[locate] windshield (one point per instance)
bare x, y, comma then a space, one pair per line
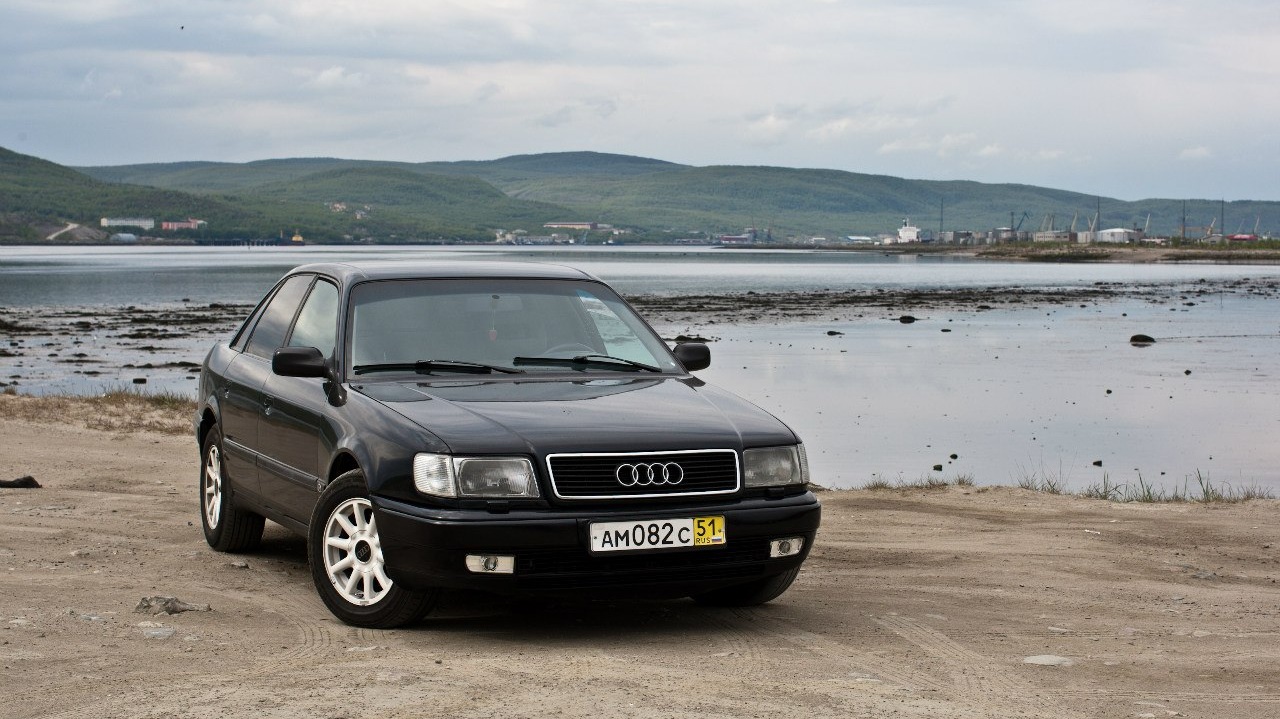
436, 326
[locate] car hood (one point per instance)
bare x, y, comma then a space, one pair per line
545, 416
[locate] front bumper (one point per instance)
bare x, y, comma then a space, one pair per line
427, 547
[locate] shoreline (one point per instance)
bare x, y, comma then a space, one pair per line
135, 345
1056, 253
1095, 253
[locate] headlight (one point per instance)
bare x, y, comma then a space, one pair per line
443, 475
775, 466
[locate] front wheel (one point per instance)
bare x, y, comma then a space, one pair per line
345, 554
227, 528
751, 593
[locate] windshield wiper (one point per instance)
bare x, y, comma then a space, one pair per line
430, 366
588, 359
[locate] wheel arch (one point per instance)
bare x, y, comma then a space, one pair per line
208, 420
344, 461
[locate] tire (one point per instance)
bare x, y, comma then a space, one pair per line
346, 561
227, 527
751, 593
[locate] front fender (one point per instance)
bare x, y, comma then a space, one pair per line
381, 442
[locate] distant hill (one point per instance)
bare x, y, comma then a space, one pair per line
436, 201
667, 199
223, 177
327, 200
230, 177
38, 192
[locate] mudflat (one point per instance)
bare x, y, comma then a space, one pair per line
954, 602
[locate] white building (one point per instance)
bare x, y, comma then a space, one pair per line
1119, 235
145, 223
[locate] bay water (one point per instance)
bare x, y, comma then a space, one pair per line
1028, 393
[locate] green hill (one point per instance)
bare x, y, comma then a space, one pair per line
35, 191
431, 201
223, 177
257, 200
659, 198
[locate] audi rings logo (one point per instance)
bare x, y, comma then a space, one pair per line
649, 474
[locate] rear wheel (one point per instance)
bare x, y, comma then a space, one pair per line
345, 553
227, 528
751, 593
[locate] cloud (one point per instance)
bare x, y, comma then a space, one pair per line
861, 124
953, 143
943, 147
915, 144
923, 91
768, 129
602, 107
562, 116
336, 77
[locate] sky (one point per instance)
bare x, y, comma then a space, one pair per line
1129, 99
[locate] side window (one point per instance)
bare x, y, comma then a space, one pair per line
317, 324
241, 337
269, 334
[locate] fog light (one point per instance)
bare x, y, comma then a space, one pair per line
491, 563
786, 547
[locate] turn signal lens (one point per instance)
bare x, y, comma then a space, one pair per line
433, 474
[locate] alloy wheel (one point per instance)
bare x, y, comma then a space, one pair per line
353, 555
213, 487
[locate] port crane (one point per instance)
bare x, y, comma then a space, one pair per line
1018, 226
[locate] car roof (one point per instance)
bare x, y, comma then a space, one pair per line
349, 272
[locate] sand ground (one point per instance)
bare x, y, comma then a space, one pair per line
913, 604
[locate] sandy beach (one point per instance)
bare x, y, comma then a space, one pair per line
957, 602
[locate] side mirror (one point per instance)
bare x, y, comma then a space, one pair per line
693, 355
308, 362
299, 362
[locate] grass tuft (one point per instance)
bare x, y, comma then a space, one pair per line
880, 484
1043, 480
1146, 492
1106, 490
117, 410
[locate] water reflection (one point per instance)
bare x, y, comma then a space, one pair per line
1024, 392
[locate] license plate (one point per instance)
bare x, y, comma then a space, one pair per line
657, 534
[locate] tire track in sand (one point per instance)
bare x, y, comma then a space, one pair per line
974, 677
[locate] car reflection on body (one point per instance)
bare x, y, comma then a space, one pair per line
509, 427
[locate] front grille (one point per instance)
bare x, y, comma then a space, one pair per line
644, 474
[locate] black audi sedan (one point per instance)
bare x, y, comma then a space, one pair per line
509, 427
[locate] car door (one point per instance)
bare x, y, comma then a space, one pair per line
242, 401
292, 432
